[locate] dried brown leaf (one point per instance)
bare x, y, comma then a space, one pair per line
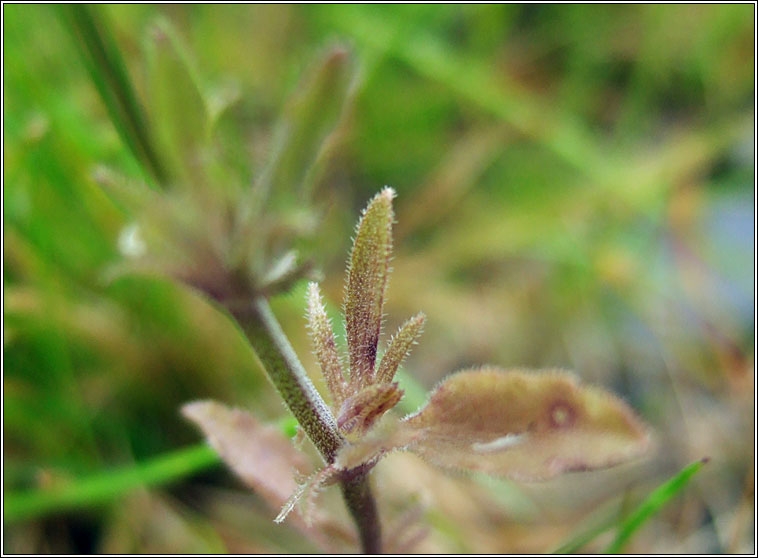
366, 284
525, 425
260, 455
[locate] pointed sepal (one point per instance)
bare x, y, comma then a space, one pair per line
399, 347
361, 411
324, 346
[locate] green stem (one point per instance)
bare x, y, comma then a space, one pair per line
288, 376
290, 379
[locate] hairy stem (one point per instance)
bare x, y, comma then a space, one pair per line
290, 379
356, 490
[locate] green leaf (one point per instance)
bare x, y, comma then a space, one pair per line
130, 195
310, 116
177, 106
106, 67
399, 347
366, 285
652, 504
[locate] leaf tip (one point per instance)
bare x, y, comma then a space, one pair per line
195, 410
337, 54
388, 193
313, 295
399, 348
419, 319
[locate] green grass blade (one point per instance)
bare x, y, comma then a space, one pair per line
557, 131
177, 106
311, 115
109, 485
652, 504
579, 541
108, 71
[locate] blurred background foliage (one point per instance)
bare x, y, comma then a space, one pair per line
575, 189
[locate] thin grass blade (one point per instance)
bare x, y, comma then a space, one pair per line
652, 504
108, 72
178, 108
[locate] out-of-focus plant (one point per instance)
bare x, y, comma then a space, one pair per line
232, 242
200, 224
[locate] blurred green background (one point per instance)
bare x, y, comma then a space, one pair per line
575, 189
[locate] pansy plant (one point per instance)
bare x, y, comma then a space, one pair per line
519, 424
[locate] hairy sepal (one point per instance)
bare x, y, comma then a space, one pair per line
361, 411
399, 348
324, 346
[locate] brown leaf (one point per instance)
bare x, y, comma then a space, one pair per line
260, 455
267, 462
525, 425
366, 283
